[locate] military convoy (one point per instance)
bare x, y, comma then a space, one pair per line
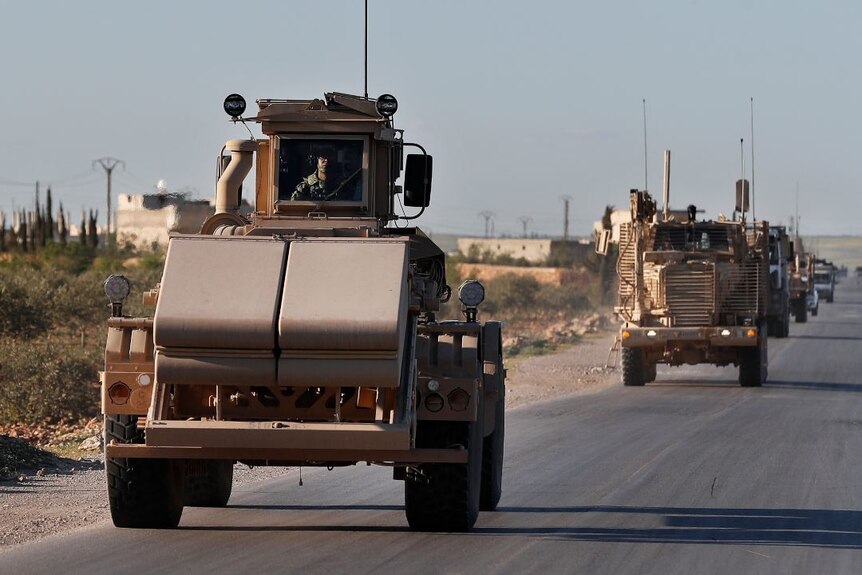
692, 291
306, 334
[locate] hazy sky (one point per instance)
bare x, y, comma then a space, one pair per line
520, 102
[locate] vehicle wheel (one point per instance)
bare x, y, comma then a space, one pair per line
142, 493
651, 372
208, 482
752, 365
814, 311
785, 325
492, 458
445, 496
632, 359
802, 314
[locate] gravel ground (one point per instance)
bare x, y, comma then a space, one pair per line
71, 495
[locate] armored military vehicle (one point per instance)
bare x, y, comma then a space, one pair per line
306, 334
692, 292
824, 280
778, 308
802, 294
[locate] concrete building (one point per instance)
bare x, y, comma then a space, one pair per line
532, 250
147, 220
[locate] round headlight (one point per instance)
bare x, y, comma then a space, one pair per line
117, 288
387, 105
471, 293
234, 105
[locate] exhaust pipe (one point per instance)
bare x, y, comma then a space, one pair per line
666, 186
227, 188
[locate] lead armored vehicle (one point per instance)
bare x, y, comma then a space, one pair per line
306, 334
691, 292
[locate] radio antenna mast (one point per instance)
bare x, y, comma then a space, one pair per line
753, 218
366, 49
646, 178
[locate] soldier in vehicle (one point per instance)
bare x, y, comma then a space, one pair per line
315, 186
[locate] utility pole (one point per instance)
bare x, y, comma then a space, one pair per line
566, 200
489, 217
108, 164
524, 221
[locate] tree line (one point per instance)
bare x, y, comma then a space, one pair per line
29, 230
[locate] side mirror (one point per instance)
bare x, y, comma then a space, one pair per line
417, 181
603, 239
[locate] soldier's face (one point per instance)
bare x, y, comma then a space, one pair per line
322, 163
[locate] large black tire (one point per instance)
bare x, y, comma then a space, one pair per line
785, 324
142, 493
752, 364
802, 313
651, 372
815, 310
492, 458
445, 496
208, 482
633, 368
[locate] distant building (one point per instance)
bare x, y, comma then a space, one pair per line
532, 250
147, 220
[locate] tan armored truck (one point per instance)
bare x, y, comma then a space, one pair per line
802, 293
306, 334
778, 307
691, 292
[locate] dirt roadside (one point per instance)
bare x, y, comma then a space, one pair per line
51, 500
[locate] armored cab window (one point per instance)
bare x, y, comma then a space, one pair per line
688, 237
322, 170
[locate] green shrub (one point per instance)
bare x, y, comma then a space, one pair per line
19, 315
43, 381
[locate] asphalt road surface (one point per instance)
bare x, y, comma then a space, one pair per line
691, 474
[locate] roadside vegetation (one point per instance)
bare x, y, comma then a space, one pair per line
539, 316
52, 336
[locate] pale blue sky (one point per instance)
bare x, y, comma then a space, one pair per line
519, 102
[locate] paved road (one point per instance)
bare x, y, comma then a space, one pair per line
692, 474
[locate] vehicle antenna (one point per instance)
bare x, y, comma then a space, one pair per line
646, 178
796, 219
753, 217
366, 49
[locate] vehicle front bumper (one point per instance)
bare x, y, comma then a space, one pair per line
715, 336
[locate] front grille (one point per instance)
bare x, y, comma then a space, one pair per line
740, 287
689, 293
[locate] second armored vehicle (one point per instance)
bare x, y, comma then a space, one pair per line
692, 292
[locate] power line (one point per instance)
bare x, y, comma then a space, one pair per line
489, 218
108, 164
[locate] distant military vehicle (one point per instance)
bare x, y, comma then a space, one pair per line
802, 294
778, 308
824, 280
306, 334
692, 292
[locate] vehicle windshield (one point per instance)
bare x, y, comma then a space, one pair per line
320, 170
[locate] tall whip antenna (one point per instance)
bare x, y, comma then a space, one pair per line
646, 178
753, 218
366, 49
